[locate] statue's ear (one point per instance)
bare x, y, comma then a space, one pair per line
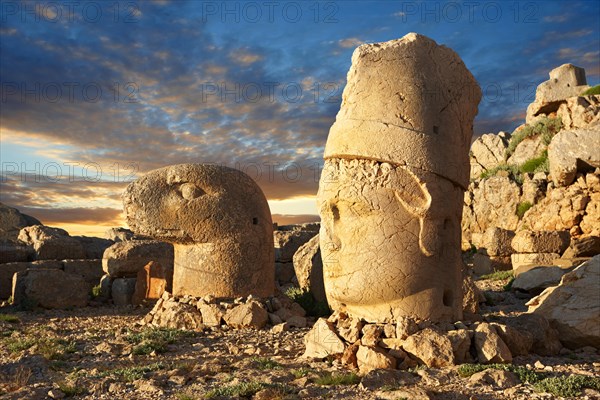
412, 193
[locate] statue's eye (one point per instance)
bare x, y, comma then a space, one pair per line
189, 191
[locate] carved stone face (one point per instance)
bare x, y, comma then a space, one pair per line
385, 253
219, 222
195, 203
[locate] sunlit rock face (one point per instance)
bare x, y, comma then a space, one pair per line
391, 192
219, 222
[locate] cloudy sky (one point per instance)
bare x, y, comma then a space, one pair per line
94, 94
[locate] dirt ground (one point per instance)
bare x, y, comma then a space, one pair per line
102, 353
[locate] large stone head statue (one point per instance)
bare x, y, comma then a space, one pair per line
391, 192
219, 222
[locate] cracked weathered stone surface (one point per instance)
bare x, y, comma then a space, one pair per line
565, 81
219, 222
391, 192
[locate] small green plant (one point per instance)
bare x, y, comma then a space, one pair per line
71, 390
591, 91
512, 171
497, 276
51, 348
524, 374
130, 374
508, 285
416, 368
305, 298
246, 389
547, 127
537, 164
13, 319
301, 372
55, 348
335, 379
567, 386
15, 345
16, 381
266, 363
154, 340
96, 290
473, 249
522, 208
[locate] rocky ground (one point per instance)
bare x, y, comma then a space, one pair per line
103, 353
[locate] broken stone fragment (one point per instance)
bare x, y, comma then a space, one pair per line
322, 340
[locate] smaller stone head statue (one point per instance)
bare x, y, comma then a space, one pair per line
219, 222
391, 191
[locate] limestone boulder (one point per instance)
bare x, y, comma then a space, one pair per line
526, 241
379, 378
90, 270
122, 291
586, 246
249, 315
126, 258
534, 188
12, 221
537, 279
565, 81
15, 252
322, 340
562, 209
212, 315
489, 346
219, 222
544, 336
431, 347
484, 264
590, 223
487, 151
579, 111
52, 243
7, 270
94, 247
288, 239
169, 313
490, 203
497, 241
498, 379
461, 340
573, 151
119, 235
308, 267
519, 342
573, 306
49, 288
524, 261
528, 148
373, 358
